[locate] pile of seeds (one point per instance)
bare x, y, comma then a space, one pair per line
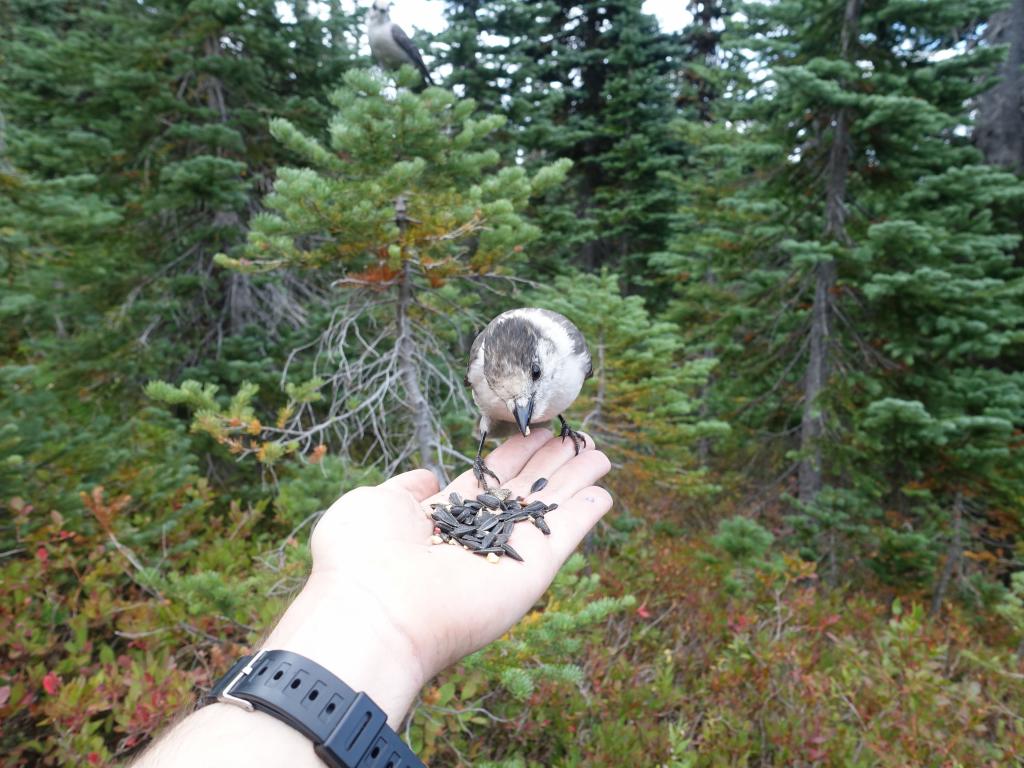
484, 525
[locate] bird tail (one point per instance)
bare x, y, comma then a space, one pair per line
427, 81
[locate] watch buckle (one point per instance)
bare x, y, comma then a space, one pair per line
225, 695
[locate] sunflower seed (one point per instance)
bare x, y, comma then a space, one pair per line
442, 515
488, 500
485, 524
490, 550
512, 553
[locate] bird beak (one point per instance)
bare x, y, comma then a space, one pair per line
522, 413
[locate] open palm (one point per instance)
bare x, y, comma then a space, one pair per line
445, 601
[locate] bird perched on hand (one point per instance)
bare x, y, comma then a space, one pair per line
390, 46
526, 367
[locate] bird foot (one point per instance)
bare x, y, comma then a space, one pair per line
481, 470
577, 437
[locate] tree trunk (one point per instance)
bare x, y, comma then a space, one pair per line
425, 436
953, 555
812, 425
999, 130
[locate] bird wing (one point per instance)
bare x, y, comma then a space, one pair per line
409, 48
474, 350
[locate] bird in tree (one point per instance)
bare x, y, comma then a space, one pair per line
525, 368
390, 46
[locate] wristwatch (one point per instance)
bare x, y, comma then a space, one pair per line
348, 729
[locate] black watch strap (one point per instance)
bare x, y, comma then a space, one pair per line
348, 729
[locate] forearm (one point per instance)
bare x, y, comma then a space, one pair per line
344, 633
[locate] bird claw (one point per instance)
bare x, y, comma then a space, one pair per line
577, 437
480, 470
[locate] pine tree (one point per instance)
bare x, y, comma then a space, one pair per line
704, 63
136, 145
591, 82
701, 223
167, 115
873, 278
403, 213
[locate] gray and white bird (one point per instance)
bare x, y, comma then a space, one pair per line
390, 46
526, 367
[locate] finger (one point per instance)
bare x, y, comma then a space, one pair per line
421, 483
574, 478
546, 462
506, 461
585, 470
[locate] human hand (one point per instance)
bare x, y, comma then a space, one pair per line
386, 610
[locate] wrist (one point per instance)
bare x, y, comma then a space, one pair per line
345, 629
227, 736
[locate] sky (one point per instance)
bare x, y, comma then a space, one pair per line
428, 15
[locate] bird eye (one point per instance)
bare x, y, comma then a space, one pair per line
535, 371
